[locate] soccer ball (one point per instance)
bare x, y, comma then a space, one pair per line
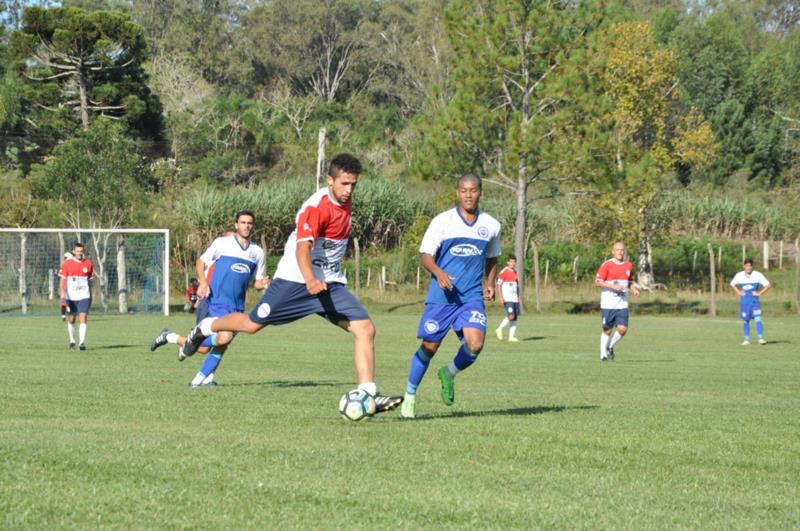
357, 405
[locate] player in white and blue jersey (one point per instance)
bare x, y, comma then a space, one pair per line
226, 268
750, 285
459, 247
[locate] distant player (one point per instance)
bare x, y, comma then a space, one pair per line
750, 285
459, 247
615, 279
309, 279
226, 267
509, 299
76, 274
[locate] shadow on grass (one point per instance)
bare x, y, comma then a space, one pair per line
644, 308
406, 305
534, 338
647, 361
287, 383
118, 346
512, 412
778, 342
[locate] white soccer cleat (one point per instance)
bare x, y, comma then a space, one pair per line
745, 343
762, 341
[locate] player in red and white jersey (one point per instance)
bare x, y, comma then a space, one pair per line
75, 273
309, 279
615, 278
509, 298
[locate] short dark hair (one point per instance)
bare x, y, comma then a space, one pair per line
470, 177
192, 280
344, 162
245, 213
77, 244
512, 256
748, 261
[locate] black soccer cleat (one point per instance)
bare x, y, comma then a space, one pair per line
193, 340
610, 354
386, 403
82, 346
72, 345
160, 340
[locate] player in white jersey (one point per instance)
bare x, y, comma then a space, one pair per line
309, 279
749, 285
226, 269
459, 247
509, 299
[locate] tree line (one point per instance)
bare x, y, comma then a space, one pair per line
115, 112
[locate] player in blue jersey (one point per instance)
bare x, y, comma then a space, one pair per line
226, 269
459, 247
749, 285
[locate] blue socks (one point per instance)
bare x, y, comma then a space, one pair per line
746, 329
211, 363
759, 327
419, 365
464, 358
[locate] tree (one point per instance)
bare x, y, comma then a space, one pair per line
514, 114
98, 178
94, 58
653, 135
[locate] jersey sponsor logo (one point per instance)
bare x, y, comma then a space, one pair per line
431, 326
85, 269
240, 268
483, 232
477, 317
747, 287
465, 250
331, 244
263, 310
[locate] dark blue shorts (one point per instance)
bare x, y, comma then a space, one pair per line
285, 301
749, 311
437, 319
512, 308
81, 306
211, 309
614, 318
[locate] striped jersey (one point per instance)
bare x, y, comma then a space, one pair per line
461, 249
326, 224
234, 266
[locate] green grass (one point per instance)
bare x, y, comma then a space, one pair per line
685, 430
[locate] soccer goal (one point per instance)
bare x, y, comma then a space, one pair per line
131, 269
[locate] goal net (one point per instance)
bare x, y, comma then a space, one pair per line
131, 269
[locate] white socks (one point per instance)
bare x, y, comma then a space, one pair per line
614, 339
604, 345
503, 324
71, 330
82, 332
369, 387
512, 332
172, 337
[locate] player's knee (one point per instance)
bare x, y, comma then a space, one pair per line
622, 329
223, 338
363, 329
429, 348
474, 345
512, 317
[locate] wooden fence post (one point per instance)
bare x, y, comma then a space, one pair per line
575, 269
418, 276
712, 306
546, 272
766, 255
382, 283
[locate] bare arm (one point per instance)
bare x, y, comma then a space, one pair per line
200, 269
262, 283
303, 255
490, 268
763, 290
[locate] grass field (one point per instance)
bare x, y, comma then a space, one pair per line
685, 430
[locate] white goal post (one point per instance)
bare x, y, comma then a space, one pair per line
132, 264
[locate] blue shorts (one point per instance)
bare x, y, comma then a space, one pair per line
81, 306
285, 301
211, 309
512, 308
751, 311
614, 318
437, 319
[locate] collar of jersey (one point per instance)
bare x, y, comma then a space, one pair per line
236, 239
477, 214
333, 199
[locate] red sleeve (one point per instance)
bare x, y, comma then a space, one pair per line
90, 274
310, 223
602, 273
62, 272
